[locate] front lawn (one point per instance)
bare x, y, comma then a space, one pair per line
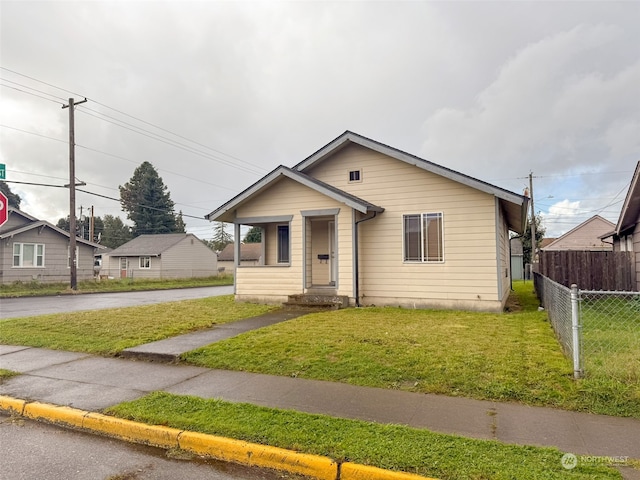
505, 357
393, 447
107, 332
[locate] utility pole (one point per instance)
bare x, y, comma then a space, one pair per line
533, 222
73, 267
91, 226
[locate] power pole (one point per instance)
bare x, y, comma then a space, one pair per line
533, 222
73, 267
91, 226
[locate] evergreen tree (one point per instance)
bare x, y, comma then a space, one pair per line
181, 227
115, 232
14, 198
221, 238
147, 202
254, 235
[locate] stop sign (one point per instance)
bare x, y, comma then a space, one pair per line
4, 207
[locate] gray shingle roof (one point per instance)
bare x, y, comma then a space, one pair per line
149, 245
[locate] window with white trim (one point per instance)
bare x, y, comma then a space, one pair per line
145, 262
283, 244
28, 255
423, 235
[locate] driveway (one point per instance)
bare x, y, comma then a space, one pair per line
29, 306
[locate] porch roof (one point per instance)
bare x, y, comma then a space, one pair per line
225, 213
630, 213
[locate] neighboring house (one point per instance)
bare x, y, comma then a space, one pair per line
378, 226
626, 236
250, 254
584, 237
517, 259
545, 242
36, 250
171, 255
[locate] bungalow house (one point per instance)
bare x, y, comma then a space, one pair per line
374, 225
250, 254
626, 236
171, 255
584, 237
36, 250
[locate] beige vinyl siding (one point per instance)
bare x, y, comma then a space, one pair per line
466, 278
56, 260
272, 283
585, 237
504, 259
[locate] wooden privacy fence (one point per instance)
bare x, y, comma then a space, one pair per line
613, 271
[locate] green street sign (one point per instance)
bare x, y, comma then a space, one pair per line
3, 171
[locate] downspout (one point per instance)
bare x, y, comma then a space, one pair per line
356, 261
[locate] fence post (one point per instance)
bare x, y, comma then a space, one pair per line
575, 332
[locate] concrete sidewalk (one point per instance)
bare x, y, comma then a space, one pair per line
93, 383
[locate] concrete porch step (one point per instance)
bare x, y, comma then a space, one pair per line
316, 301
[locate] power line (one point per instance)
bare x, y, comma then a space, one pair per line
30, 93
33, 133
251, 167
159, 138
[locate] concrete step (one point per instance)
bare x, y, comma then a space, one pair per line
317, 301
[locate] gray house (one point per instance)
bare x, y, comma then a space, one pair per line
172, 255
36, 250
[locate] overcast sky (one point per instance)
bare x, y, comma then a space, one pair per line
230, 90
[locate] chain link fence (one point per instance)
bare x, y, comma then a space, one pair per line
599, 330
610, 334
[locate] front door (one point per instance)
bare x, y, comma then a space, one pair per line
322, 268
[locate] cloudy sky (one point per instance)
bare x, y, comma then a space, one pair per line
217, 94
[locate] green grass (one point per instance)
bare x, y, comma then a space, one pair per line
393, 447
107, 332
29, 289
504, 357
611, 337
7, 374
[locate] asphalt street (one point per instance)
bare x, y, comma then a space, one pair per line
29, 306
30, 450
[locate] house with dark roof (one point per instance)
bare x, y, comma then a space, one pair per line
374, 225
250, 254
36, 250
171, 255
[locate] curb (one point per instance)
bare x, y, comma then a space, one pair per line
220, 448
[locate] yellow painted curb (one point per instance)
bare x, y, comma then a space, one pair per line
156, 435
221, 448
11, 405
54, 414
354, 471
253, 454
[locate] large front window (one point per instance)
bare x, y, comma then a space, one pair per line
283, 244
28, 255
423, 237
145, 262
